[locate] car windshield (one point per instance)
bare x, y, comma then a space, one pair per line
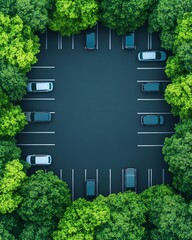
33, 86
158, 55
32, 160
32, 116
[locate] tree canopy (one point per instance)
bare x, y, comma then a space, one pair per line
73, 16
18, 45
177, 153
124, 15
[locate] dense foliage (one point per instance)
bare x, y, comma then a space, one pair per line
73, 16
124, 15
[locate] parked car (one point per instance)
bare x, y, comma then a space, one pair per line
152, 120
152, 56
90, 190
131, 179
129, 41
153, 87
39, 87
91, 39
38, 116
39, 159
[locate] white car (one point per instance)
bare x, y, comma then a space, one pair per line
39, 87
39, 159
152, 56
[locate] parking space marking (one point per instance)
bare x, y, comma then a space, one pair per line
97, 45
35, 144
122, 43
61, 174
60, 40
155, 132
139, 145
45, 170
153, 81
43, 67
150, 68
150, 177
46, 42
165, 113
72, 184
163, 176
85, 175
122, 180
109, 181
41, 80
149, 40
97, 182
73, 41
110, 39
38, 132
39, 99
150, 99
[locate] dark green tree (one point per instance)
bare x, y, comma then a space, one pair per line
127, 216
12, 81
174, 68
45, 197
177, 153
73, 16
124, 15
7, 7
4, 234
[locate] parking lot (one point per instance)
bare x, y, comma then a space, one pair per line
96, 107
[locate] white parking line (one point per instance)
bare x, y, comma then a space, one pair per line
150, 178
52, 112
73, 42
110, 39
122, 42
150, 145
165, 113
155, 132
97, 182
59, 44
85, 175
148, 40
150, 68
150, 99
39, 99
35, 144
43, 67
38, 132
73, 184
153, 81
163, 176
41, 80
97, 45
122, 180
61, 174
109, 181
46, 42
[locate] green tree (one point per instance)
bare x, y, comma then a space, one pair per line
177, 153
73, 16
124, 15
179, 96
183, 41
4, 234
168, 214
7, 7
12, 179
12, 81
12, 121
18, 45
45, 197
127, 215
80, 220
174, 67
34, 13
164, 18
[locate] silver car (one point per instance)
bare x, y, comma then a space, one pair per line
39, 87
152, 56
39, 159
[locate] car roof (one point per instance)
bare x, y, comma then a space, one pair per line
42, 86
151, 119
90, 39
41, 159
149, 55
151, 86
42, 115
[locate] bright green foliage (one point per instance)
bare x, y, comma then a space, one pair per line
168, 214
177, 153
45, 197
33, 231
18, 45
11, 181
179, 96
7, 6
12, 121
165, 16
12, 81
81, 219
124, 15
34, 13
183, 41
127, 215
174, 68
73, 16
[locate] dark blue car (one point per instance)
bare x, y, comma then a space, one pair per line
152, 120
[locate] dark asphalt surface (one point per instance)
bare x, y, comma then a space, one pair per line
97, 112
